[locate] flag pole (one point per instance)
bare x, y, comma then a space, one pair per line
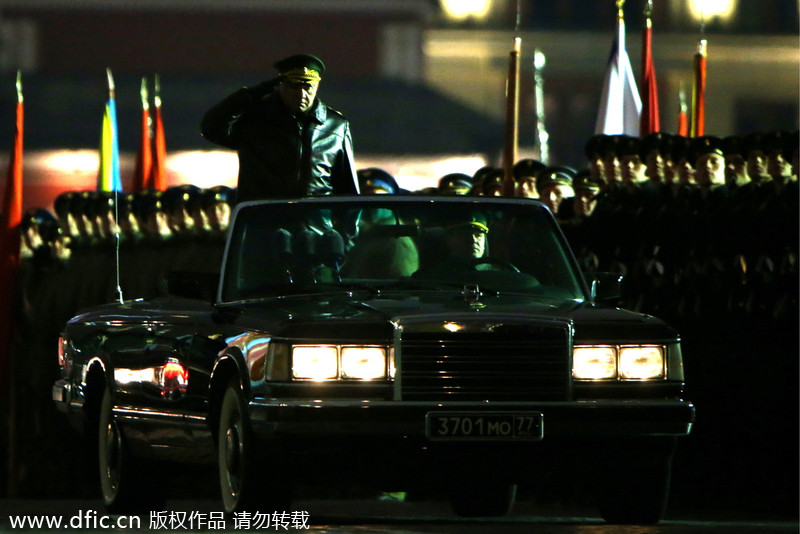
699, 90
512, 111
158, 179
541, 131
144, 160
114, 172
650, 121
698, 117
683, 119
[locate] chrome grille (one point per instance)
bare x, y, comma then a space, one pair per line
505, 363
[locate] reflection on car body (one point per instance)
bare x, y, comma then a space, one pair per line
350, 336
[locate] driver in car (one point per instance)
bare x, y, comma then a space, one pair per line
466, 242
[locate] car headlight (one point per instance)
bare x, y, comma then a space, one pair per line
363, 363
339, 362
594, 363
641, 362
626, 362
315, 362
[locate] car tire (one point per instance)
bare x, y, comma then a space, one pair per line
245, 483
482, 498
129, 485
636, 490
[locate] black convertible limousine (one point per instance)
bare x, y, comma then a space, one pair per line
408, 341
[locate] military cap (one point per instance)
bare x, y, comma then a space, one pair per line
527, 167
492, 181
680, 148
36, 217
707, 144
481, 173
475, 220
592, 148
457, 183
216, 195
751, 142
49, 230
608, 144
61, 204
179, 196
655, 141
375, 178
81, 203
148, 202
584, 182
301, 68
628, 145
775, 141
732, 144
102, 203
558, 175
125, 204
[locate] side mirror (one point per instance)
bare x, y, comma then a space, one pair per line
193, 285
606, 287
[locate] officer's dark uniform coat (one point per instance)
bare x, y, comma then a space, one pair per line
280, 155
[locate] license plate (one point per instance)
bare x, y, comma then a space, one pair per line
484, 426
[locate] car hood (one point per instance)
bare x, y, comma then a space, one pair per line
361, 314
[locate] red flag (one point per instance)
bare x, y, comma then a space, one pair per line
158, 176
699, 91
144, 159
649, 122
9, 245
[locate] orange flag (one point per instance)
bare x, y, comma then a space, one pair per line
9, 245
158, 176
144, 160
649, 121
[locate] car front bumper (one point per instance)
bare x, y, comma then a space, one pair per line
286, 419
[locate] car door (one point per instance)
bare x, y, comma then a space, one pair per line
178, 354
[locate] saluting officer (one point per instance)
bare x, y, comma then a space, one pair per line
289, 143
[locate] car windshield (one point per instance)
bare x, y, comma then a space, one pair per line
396, 243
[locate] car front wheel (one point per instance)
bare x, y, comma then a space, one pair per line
123, 478
245, 482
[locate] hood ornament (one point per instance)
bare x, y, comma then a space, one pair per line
471, 294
